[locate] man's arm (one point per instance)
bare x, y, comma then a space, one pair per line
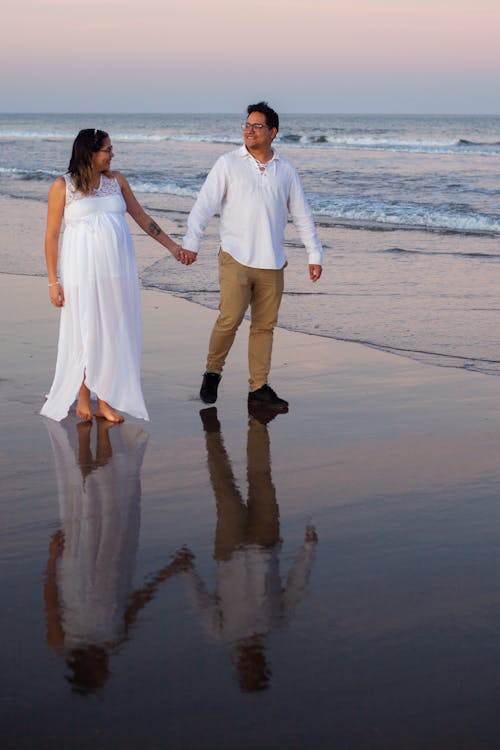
208, 202
298, 576
303, 220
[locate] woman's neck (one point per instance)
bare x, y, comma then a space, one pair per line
96, 179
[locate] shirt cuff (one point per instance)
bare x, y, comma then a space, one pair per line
191, 242
315, 258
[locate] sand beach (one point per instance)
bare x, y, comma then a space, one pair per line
386, 616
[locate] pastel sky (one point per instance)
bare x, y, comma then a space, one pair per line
396, 56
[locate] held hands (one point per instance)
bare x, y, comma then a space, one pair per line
183, 560
314, 272
187, 257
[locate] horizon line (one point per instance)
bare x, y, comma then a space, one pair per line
185, 113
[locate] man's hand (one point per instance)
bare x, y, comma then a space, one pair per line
187, 256
314, 272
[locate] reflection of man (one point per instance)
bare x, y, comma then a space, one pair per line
89, 604
249, 599
254, 189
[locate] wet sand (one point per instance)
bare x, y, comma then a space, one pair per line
328, 579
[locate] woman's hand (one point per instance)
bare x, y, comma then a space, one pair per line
56, 294
55, 210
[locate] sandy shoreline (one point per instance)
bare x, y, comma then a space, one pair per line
394, 463
367, 407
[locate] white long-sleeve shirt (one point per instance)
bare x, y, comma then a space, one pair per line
254, 208
250, 598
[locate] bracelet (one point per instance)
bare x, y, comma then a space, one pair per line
55, 283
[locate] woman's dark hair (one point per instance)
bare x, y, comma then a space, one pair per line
272, 119
86, 143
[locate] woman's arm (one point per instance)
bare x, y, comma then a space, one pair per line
55, 211
145, 221
53, 619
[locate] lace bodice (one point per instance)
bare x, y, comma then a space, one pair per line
107, 186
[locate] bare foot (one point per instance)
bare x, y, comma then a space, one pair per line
104, 411
83, 408
85, 458
103, 450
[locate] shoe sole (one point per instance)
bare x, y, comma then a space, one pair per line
208, 399
256, 403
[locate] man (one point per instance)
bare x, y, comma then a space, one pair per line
254, 188
250, 599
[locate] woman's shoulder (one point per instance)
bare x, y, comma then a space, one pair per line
122, 182
58, 187
119, 177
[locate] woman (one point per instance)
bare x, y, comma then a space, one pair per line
100, 330
91, 607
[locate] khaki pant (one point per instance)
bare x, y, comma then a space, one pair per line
240, 287
241, 524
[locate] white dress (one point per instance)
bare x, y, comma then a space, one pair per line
100, 517
100, 333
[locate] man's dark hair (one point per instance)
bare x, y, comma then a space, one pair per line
272, 119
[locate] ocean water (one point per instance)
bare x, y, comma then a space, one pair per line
408, 210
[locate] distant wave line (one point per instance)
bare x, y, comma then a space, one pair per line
301, 140
407, 217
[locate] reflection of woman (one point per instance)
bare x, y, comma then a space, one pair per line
100, 332
250, 598
89, 604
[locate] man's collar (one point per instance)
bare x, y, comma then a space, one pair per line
244, 152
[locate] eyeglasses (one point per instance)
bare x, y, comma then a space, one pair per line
252, 125
108, 150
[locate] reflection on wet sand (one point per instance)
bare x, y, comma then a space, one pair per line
89, 603
249, 598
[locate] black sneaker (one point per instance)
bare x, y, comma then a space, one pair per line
208, 390
262, 412
210, 419
266, 395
